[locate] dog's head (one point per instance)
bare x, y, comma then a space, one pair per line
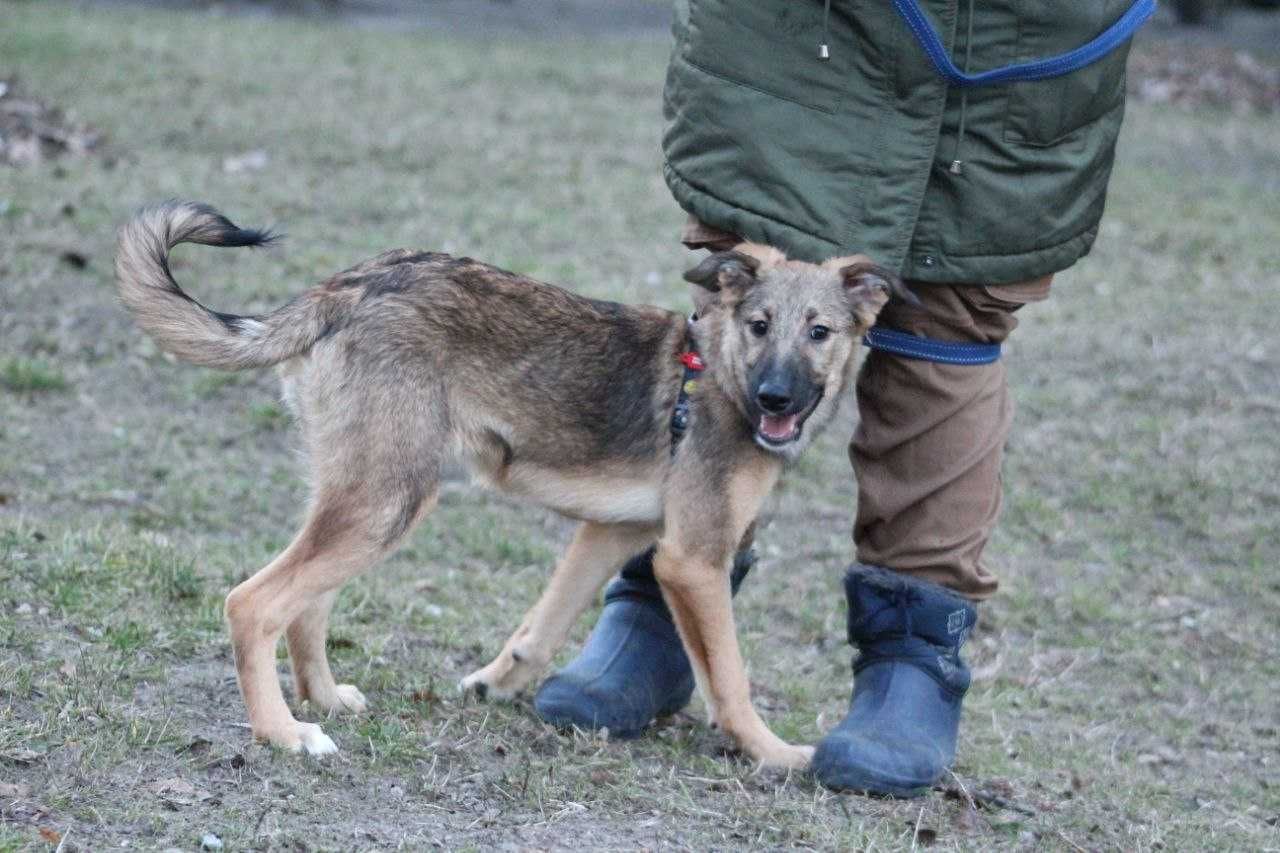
782, 337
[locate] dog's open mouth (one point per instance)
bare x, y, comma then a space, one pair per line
779, 430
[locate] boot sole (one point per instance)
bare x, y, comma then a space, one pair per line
563, 719
861, 784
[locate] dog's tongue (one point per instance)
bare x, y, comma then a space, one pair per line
778, 427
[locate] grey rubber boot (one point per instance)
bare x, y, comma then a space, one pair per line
633, 667
899, 736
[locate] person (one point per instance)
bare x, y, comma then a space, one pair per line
829, 132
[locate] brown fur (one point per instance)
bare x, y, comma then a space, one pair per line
407, 359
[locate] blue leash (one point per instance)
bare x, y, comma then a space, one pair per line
927, 349
1054, 66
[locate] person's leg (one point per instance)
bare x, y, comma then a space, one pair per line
930, 439
927, 456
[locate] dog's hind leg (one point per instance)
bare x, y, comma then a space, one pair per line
312, 678
596, 552
347, 531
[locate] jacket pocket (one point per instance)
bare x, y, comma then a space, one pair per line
1044, 113
770, 47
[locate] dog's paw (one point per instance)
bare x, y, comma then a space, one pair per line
505, 676
350, 700
478, 684
313, 741
338, 699
786, 756
294, 736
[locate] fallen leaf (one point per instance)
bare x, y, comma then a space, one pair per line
50, 835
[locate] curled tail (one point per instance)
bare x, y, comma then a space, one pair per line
184, 327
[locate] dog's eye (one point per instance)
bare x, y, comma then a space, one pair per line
759, 328
819, 333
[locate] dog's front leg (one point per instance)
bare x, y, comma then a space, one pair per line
698, 595
596, 552
692, 567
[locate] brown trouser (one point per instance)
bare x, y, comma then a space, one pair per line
930, 436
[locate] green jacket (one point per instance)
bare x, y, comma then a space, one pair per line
855, 153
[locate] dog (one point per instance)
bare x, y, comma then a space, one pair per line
408, 360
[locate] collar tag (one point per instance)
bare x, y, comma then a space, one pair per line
692, 361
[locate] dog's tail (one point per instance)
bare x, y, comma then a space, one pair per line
184, 327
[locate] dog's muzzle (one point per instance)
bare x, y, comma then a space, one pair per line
779, 421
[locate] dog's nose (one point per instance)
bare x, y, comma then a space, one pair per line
773, 398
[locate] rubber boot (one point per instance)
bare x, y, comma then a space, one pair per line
899, 736
633, 667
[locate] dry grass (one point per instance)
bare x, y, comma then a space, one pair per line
1126, 674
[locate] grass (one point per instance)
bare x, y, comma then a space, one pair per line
30, 375
1125, 674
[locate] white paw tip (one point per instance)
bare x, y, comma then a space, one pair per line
315, 741
482, 690
351, 698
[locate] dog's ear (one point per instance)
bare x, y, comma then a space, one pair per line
731, 270
868, 287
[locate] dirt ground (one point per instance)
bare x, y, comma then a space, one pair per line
1124, 677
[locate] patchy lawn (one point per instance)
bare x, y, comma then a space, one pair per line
1125, 693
